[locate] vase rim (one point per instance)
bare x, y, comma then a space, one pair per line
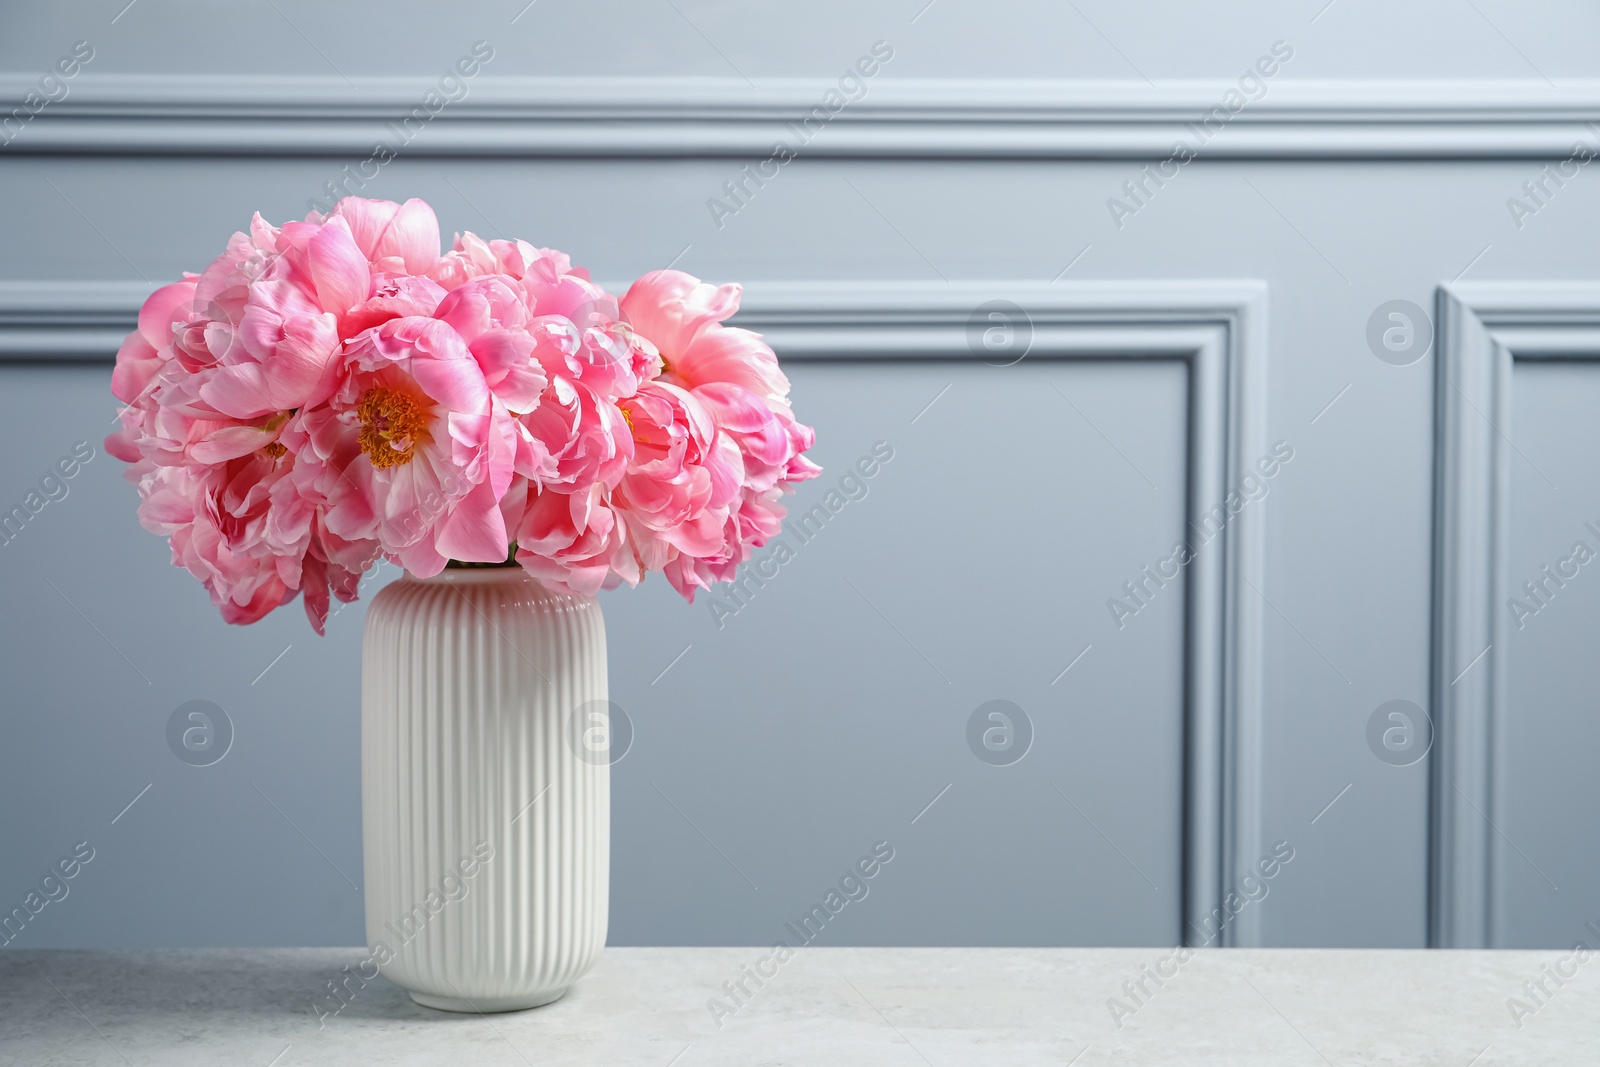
475, 576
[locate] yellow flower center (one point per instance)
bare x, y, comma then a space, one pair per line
276, 449
391, 425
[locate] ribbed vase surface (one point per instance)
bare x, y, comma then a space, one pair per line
486, 817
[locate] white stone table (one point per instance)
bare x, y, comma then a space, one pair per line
832, 1006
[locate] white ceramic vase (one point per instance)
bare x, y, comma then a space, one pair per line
487, 830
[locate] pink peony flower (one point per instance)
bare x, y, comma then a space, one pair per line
682, 317
219, 518
684, 478
575, 541
410, 450
303, 301
334, 390
394, 238
490, 314
585, 437
770, 442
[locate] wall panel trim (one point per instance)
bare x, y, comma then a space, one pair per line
1484, 329
689, 117
57, 321
1219, 329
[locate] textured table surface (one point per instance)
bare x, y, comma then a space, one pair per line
936, 1007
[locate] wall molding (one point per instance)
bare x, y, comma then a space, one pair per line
639, 117
1484, 329
58, 321
1217, 328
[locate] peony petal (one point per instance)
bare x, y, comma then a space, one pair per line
729, 354
228, 442
239, 391
123, 445
137, 365
475, 531
272, 594
338, 268
420, 560
314, 587
445, 369
506, 357
367, 219
302, 370
413, 236
162, 308
735, 407
465, 310
671, 307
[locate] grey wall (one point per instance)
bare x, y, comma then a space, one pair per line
1229, 715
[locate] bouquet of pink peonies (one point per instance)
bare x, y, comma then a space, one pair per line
334, 390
